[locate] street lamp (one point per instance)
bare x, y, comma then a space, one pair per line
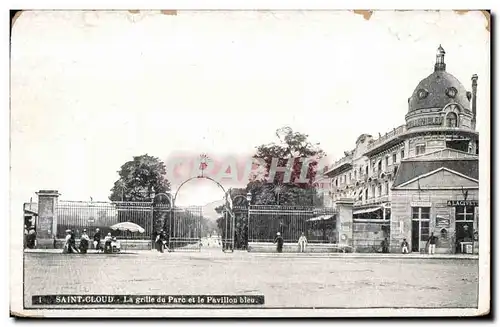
249, 201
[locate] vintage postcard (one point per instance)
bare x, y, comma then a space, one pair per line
250, 163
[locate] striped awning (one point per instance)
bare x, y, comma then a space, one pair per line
357, 212
324, 217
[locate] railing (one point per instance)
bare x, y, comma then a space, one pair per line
388, 136
291, 221
340, 162
379, 199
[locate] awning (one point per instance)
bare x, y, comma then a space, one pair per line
324, 217
357, 212
28, 211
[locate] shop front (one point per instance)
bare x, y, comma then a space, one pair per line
439, 200
466, 225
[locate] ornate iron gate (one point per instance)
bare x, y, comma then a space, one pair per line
228, 229
185, 228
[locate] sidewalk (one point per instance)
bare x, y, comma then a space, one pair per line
371, 255
219, 253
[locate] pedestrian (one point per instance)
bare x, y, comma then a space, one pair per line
279, 242
164, 240
97, 239
302, 243
25, 240
159, 241
84, 242
107, 243
432, 243
67, 246
72, 242
31, 238
404, 246
385, 245
115, 245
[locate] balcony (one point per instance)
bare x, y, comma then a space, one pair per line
387, 137
372, 201
339, 164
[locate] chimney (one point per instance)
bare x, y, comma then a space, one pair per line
473, 100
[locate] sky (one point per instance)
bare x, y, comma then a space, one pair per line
90, 90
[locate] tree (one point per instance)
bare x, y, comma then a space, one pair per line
140, 179
293, 146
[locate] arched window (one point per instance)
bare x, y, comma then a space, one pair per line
451, 120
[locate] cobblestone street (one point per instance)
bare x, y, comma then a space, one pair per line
290, 281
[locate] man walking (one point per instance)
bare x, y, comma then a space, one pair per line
432, 243
385, 245
279, 242
302, 243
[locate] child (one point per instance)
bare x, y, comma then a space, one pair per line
404, 246
115, 245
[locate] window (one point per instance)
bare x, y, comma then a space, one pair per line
386, 187
464, 213
402, 153
380, 190
366, 194
336, 182
355, 171
366, 170
420, 149
380, 165
373, 191
451, 119
394, 158
349, 177
386, 161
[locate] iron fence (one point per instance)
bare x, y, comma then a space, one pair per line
264, 221
78, 215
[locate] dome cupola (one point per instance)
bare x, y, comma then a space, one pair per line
439, 89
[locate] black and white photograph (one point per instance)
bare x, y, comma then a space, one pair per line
250, 163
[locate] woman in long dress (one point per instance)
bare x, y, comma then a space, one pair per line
72, 242
67, 245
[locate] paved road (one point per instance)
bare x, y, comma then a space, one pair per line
290, 281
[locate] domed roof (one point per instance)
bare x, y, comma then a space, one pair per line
438, 89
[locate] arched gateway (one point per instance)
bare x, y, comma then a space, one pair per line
184, 224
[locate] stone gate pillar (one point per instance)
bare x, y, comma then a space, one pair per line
344, 224
47, 216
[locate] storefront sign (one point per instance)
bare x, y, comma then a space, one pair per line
420, 204
442, 222
469, 203
425, 121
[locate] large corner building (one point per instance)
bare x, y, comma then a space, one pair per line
420, 177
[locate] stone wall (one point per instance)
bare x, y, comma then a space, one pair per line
367, 236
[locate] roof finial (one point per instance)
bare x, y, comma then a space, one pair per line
440, 65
